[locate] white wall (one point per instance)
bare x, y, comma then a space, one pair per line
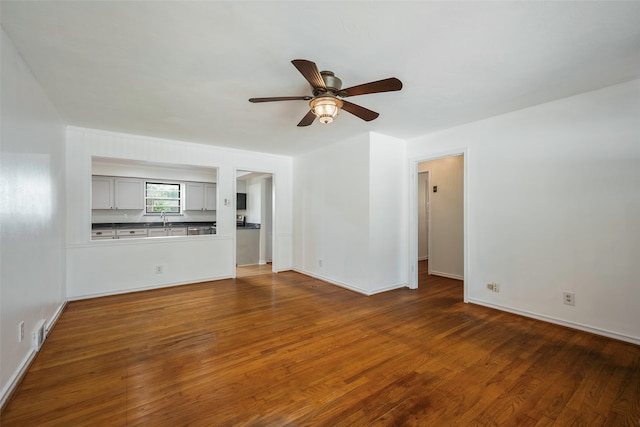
349, 213
241, 185
130, 265
331, 212
32, 216
446, 215
554, 206
388, 219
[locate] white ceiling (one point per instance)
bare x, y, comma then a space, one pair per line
185, 70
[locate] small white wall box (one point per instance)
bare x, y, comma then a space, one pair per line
39, 335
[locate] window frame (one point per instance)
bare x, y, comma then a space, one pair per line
180, 198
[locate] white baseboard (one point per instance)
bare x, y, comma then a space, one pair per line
572, 325
16, 377
333, 282
147, 288
54, 319
447, 275
423, 258
389, 288
348, 286
23, 367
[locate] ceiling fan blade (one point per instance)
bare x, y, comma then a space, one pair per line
281, 98
364, 113
387, 85
308, 119
310, 72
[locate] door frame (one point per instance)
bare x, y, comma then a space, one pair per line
274, 265
426, 195
413, 214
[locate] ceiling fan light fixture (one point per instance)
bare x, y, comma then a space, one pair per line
326, 108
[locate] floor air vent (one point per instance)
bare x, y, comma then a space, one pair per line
39, 335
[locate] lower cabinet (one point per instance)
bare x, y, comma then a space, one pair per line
179, 231
131, 233
103, 234
157, 232
169, 231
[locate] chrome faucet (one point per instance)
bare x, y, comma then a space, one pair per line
164, 218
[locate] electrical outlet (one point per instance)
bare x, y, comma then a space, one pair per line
319, 263
159, 269
569, 298
21, 332
493, 287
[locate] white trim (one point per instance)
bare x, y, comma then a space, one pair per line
17, 377
548, 319
412, 229
24, 366
148, 288
348, 286
447, 275
388, 288
333, 282
423, 258
428, 203
147, 240
54, 318
412, 238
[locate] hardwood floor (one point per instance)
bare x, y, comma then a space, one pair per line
286, 349
253, 270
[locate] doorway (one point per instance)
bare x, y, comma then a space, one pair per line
438, 210
254, 220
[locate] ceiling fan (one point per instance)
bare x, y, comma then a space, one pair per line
327, 91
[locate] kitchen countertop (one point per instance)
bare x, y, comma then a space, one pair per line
248, 226
103, 225
122, 225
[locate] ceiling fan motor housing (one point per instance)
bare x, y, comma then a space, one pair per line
332, 83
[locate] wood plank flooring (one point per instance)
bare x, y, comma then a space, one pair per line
286, 349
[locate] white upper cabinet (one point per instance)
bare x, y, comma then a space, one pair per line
117, 193
129, 193
210, 197
194, 197
102, 193
201, 196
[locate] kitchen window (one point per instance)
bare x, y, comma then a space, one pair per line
162, 197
